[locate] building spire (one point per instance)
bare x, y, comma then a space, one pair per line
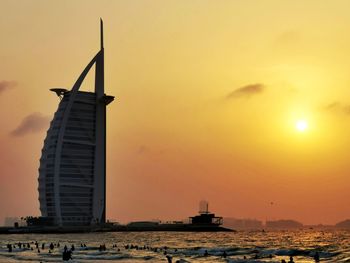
101, 29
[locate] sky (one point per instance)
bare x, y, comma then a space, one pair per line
208, 94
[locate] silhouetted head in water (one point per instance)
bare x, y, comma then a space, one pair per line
169, 258
317, 257
9, 246
67, 255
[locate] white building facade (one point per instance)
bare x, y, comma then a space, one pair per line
72, 172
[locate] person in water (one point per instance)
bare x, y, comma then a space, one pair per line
9, 246
169, 258
317, 257
67, 254
291, 260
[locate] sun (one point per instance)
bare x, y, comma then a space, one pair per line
301, 125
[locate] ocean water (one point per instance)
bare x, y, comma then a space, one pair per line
255, 246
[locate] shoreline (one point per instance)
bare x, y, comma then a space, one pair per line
119, 228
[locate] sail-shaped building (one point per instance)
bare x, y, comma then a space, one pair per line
72, 172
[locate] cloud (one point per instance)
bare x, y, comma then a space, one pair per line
337, 107
246, 91
33, 123
332, 106
5, 85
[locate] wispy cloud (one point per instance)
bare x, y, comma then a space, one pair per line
5, 85
247, 91
337, 107
33, 123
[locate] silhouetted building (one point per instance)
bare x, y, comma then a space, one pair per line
39, 221
343, 224
72, 173
10, 221
205, 217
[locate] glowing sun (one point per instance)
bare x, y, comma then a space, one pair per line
301, 125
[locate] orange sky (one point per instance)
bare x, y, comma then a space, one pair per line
207, 96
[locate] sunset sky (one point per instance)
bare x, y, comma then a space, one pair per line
208, 96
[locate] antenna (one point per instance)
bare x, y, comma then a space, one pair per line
101, 29
203, 207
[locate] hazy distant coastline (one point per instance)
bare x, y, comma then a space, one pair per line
254, 224
238, 224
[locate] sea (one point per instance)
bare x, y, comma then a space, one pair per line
181, 247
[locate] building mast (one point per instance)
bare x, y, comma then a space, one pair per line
99, 206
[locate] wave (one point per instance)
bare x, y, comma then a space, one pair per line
186, 247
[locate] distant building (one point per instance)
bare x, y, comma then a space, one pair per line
143, 224
72, 173
205, 217
242, 224
10, 221
343, 224
283, 224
